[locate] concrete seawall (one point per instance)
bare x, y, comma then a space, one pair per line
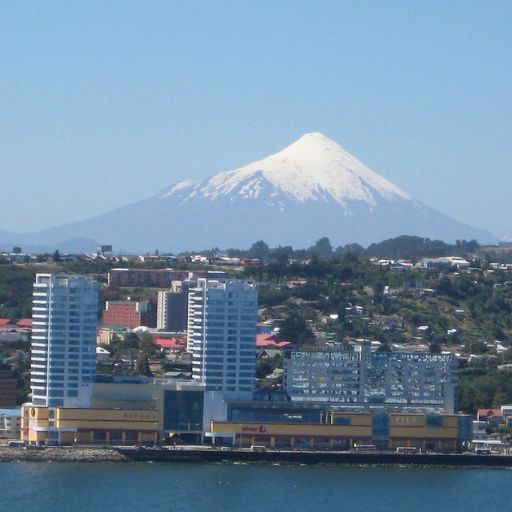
186, 454
311, 457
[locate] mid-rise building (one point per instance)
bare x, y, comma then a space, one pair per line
172, 308
63, 368
222, 318
156, 277
7, 389
360, 376
142, 277
127, 313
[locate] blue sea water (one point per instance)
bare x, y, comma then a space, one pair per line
171, 487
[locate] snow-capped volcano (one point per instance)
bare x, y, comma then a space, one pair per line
312, 168
310, 189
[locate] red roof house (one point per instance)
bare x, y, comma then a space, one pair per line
489, 415
269, 340
24, 322
172, 343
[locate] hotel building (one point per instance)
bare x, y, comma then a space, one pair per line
65, 312
222, 318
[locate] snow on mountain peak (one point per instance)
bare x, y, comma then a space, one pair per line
182, 185
312, 168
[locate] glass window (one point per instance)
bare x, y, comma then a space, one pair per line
380, 426
434, 421
183, 411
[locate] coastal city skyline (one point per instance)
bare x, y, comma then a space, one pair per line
249, 242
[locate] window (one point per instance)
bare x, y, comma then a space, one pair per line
434, 421
342, 420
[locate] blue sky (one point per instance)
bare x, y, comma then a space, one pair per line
104, 103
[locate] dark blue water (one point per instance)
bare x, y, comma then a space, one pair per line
220, 487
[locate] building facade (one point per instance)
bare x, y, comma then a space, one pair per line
122, 411
8, 395
10, 423
63, 368
222, 318
172, 309
126, 313
348, 430
360, 376
142, 277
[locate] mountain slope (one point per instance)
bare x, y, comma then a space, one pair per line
310, 189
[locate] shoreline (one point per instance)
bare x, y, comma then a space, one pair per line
61, 454
209, 455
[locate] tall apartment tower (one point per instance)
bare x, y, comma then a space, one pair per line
64, 313
222, 318
172, 308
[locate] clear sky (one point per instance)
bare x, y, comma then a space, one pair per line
106, 102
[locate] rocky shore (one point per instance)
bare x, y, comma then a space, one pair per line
60, 454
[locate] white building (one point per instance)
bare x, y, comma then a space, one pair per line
222, 318
444, 262
65, 312
10, 423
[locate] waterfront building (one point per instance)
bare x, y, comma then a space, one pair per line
357, 375
10, 423
63, 368
172, 308
347, 430
122, 411
221, 335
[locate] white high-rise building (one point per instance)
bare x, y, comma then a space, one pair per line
64, 313
222, 318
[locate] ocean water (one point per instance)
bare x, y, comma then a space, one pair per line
170, 487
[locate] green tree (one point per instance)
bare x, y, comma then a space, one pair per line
259, 250
143, 366
263, 368
295, 329
434, 348
277, 361
322, 248
146, 344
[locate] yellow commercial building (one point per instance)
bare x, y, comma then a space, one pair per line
348, 430
120, 413
89, 426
